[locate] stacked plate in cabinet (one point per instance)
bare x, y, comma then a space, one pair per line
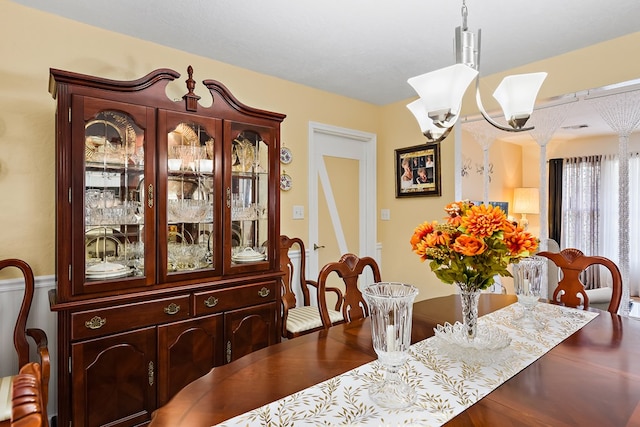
248, 255
106, 270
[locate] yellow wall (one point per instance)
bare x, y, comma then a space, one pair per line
606, 144
398, 262
39, 41
34, 41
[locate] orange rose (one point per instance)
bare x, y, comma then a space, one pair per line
469, 245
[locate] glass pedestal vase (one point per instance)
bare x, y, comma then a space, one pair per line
391, 307
469, 298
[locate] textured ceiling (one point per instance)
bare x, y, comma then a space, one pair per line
362, 49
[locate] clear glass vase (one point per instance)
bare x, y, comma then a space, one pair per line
469, 296
391, 308
527, 281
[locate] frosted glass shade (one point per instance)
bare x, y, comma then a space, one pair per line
516, 94
526, 201
441, 91
427, 127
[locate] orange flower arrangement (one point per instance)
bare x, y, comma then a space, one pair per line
475, 244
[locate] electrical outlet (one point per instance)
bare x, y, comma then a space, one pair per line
385, 214
298, 212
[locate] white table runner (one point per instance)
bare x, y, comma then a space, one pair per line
445, 383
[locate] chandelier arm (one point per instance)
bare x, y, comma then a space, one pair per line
489, 119
440, 138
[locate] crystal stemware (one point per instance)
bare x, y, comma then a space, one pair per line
391, 308
528, 275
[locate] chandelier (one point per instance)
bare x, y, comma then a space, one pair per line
441, 91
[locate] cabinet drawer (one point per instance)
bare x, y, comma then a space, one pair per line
227, 299
119, 318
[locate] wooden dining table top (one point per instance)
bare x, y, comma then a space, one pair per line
592, 378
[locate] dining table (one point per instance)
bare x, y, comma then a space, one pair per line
591, 378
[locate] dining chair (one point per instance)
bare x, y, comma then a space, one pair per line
598, 297
349, 268
300, 317
21, 344
571, 290
28, 407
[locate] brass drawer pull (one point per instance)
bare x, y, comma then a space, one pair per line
150, 196
264, 292
95, 323
211, 301
172, 309
150, 373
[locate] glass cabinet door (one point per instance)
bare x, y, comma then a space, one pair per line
248, 200
113, 149
189, 187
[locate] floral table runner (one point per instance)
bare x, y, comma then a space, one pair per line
446, 382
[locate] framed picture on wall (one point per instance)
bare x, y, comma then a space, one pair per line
418, 171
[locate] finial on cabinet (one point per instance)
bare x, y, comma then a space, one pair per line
191, 99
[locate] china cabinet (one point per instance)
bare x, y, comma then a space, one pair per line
167, 225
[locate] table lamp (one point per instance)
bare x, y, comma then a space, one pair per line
526, 201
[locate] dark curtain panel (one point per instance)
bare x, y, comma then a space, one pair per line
555, 199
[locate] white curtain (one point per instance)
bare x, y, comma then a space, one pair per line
608, 221
634, 224
580, 210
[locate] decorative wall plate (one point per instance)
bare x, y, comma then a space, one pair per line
285, 182
285, 155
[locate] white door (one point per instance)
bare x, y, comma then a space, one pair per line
342, 194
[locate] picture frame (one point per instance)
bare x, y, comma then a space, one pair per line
417, 171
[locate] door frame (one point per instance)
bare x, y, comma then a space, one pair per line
363, 143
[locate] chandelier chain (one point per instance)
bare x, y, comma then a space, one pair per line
465, 12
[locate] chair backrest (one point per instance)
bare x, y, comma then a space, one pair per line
28, 407
349, 268
570, 290
289, 299
20, 331
293, 286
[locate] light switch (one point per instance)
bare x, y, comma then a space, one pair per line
298, 212
385, 214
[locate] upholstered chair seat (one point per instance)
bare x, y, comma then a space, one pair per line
306, 318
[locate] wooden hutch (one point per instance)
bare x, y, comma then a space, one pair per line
167, 231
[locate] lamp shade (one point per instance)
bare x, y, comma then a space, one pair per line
516, 94
427, 126
441, 91
526, 200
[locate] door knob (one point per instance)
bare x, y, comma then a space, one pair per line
316, 247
